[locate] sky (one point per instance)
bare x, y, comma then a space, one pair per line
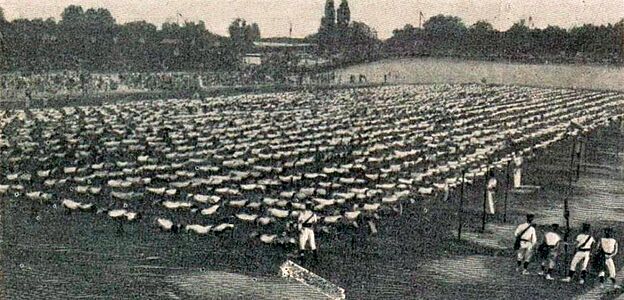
274, 16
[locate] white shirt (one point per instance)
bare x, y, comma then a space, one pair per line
552, 239
528, 236
518, 161
609, 246
492, 184
308, 216
581, 238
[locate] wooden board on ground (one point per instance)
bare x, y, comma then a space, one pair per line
292, 270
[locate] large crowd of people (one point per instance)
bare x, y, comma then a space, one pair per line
191, 80
20, 86
280, 167
36, 86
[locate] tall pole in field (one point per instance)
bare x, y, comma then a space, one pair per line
573, 150
620, 131
585, 152
485, 194
506, 191
619, 138
566, 208
461, 205
579, 157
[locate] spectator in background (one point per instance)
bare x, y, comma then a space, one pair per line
517, 172
490, 194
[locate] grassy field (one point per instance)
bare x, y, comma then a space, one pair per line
49, 253
415, 256
434, 70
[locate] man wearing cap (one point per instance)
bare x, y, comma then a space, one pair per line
526, 238
550, 251
584, 243
305, 223
608, 249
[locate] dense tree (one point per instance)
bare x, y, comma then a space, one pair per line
343, 20
551, 41
407, 32
326, 37
482, 38
330, 15
242, 34
343, 16
517, 40
407, 41
254, 32
91, 39
138, 43
600, 41
72, 15
98, 26
3, 45
3, 29
445, 34
618, 37
360, 43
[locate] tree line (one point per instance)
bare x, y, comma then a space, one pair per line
92, 40
448, 36
343, 40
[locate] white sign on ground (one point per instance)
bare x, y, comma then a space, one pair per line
292, 270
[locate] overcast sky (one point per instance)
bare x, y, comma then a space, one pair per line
274, 16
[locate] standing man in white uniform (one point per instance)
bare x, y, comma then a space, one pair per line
526, 238
306, 222
552, 241
517, 172
608, 249
491, 190
584, 242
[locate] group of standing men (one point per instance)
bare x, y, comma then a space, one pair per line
492, 183
549, 251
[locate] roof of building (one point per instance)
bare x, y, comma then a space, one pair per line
281, 45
